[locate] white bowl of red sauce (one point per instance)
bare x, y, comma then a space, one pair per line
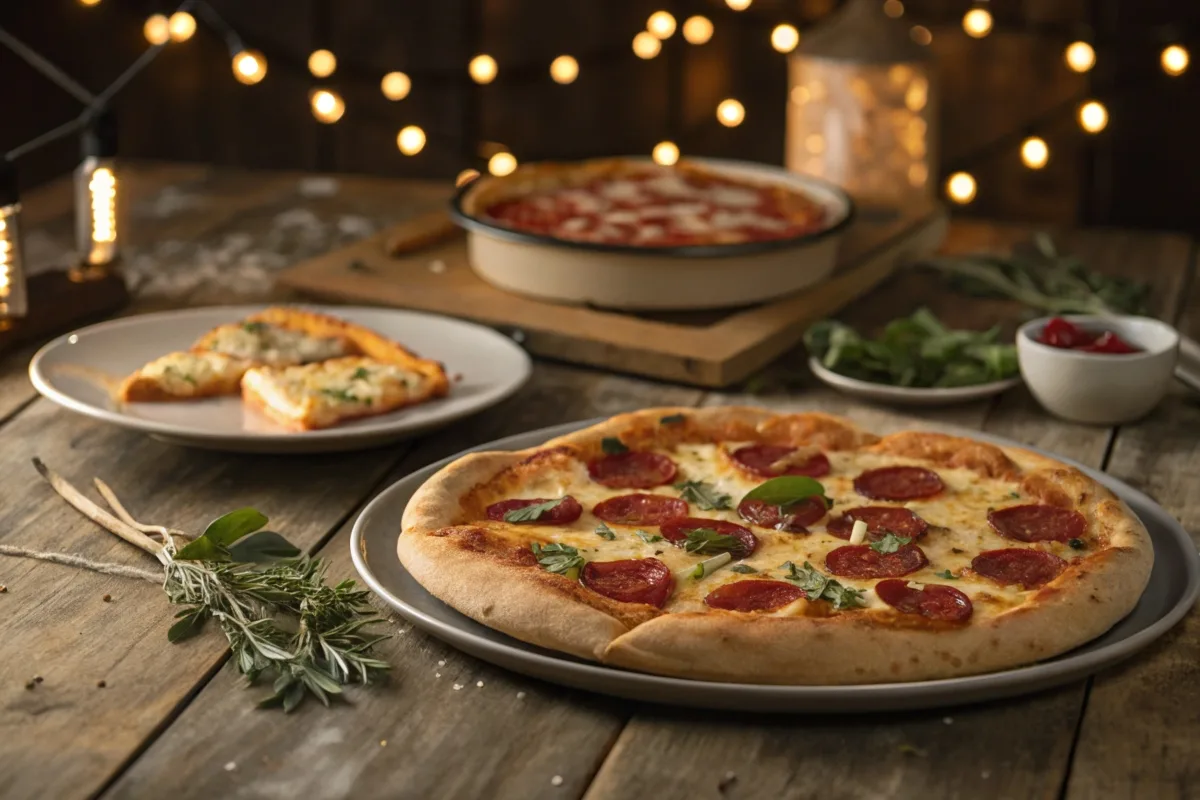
1098, 370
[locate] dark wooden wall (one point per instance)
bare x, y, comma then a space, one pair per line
187, 105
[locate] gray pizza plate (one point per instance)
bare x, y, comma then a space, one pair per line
1172, 591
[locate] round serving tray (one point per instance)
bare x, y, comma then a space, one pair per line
662, 278
1172, 591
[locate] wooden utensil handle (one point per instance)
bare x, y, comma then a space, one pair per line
420, 232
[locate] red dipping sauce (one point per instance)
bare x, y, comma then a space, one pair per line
1060, 333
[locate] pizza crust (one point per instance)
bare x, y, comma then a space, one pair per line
811, 646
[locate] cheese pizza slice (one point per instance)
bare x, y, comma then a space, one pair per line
187, 375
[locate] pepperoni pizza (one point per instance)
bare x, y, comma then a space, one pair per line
736, 544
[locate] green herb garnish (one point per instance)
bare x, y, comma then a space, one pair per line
1015, 495
947, 574
745, 569
346, 396
787, 490
648, 538
707, 540
1076, 544
821, 587
605, 532
704, 495
254, 327
672, 419
889, 543
612, 446
561, 559
361, 374
532, 513
710, 565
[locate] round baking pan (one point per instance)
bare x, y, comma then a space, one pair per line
658, 278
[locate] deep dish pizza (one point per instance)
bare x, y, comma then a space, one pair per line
628, 202
735, 544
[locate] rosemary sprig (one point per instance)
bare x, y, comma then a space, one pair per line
271, 602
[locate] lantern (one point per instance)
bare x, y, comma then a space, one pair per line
861, 108
13, 303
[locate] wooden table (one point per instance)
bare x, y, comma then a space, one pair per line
175, 721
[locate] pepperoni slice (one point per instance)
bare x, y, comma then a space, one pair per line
676, 531
1028, 569
860, 561
880, 520
796, 519
634, 580
935, 601
632, 470
760, 458
753, 595
898, 483
640, 509
566, 511
1037, 523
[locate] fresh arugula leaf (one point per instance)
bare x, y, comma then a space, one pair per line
787, 490
821, 587
704, 495
262, 547
745, 569
707, 540
605, 532
672, 419
612, 446
532, 513
889, 543
947, 574
648, 538
561, 559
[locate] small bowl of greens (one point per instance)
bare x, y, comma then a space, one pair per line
915, 361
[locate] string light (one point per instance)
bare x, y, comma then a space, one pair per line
410, 140
483, 69
1093, 116
661, 24
181, 26
396, 86
893, 8
249, 67
502, 163
961, 187
665, 153
977, 23
785, 38
327, 106
738, 5
646, 45
465, 177
697, 30
13, 303
1175, 60
88, 2
921, 35
157, 29
96, 187
564, 69
1034, 152
1080, 56
322, 63
730, 113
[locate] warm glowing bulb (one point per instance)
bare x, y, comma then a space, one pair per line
410, 140
157, 29
327, 106
738, 5
731, 113
181, 26
466, 176
921, 35
646, 45
249, 66
961, 187
1175, 60
396, 86
102, 188
483, 69
322, 63
1034, 152
1080, 56
502, 163
977, 23
564, 69
665, 153
785, 38
893, 8
697, 30
89, 2
661, 24
1093, 116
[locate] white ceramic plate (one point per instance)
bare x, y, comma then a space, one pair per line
1170, 594
906, 396
72, 369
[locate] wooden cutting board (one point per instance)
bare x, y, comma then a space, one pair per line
705, 348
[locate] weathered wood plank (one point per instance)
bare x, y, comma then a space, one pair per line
516, 743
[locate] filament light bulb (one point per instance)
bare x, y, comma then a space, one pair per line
665, 153
661, 24
410, 140
1175, 60
785, 38
483, 69
1080, 56
697, 29
322, 63
738, 5
502, 163
961, 187
731, 113
564, 69
327, 106
977, 23
646, 45
181, 26
13, 301
1093, 116
249, 67
157, 29
1034, 152
396, 86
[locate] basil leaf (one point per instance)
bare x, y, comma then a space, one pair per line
947, 574
707, 540
648, 538
605, 532
745, 569
261, 547
561, 559
672, 419
704, 495
820, 587
532, 513
612, 446
787, 490
889, 543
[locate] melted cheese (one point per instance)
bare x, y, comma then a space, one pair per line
186, 373
270, 344
328, 391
